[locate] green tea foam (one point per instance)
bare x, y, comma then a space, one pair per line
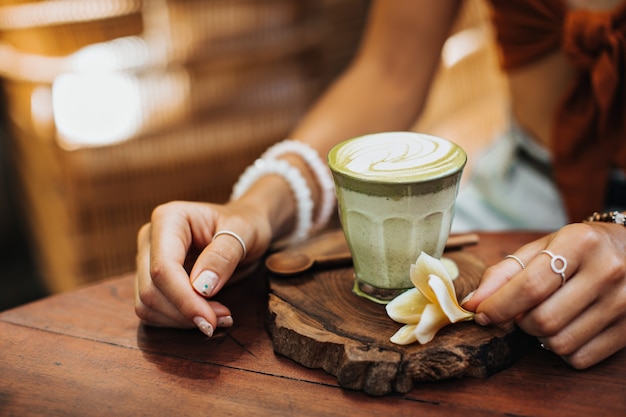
397, 157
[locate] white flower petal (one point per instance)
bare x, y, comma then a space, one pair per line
451, 267
422, 269
430, 306
407, 307
447, 301
433, 319
404, 336
431, 265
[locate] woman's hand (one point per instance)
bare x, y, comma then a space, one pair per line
583, 320
166, 294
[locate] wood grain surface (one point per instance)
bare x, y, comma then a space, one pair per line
84, 353
317, 321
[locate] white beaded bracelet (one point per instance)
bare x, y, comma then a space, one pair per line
297, 183
319, 169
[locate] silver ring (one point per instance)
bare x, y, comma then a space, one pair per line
556, 258
519, 261
236, 236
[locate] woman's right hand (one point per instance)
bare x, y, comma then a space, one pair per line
166, 293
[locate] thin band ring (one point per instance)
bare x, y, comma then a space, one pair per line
236, 236
556, 258
518, 260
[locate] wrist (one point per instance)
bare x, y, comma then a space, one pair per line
300, 191
272, 199
302, 172
315, 171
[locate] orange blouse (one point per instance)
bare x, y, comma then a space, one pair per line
589, 129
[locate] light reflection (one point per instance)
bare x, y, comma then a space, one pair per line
43, 13
119, 54
462, 44
96, 109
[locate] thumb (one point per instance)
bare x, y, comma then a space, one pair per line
217, 262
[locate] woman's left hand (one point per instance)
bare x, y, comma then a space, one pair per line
584, 319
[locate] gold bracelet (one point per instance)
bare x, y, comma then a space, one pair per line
616, 217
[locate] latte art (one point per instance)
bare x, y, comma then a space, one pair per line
398, 157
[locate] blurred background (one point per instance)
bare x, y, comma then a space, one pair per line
111, 107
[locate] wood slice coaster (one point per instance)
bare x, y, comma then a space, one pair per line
317, 321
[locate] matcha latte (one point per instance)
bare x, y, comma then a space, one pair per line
396, 193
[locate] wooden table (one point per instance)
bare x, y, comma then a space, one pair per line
84, 353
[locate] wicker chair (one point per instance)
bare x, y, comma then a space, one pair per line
118, 106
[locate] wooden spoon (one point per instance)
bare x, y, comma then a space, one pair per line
331, 250
293, 263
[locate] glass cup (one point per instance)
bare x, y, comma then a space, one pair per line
396, 193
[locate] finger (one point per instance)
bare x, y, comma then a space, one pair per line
493, 278
574, 334
574, 315
147, 296
569, 304
499, 274
224, 316
155, 318
168, 316
217, 262
530, 287
171, 239
151, 306
603, 345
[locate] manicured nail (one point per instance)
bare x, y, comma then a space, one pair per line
206, 283
204, 326
226, 321
482, 319
467, 297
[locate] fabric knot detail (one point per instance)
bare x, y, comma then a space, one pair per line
594, 42
586, 35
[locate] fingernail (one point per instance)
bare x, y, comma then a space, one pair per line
482, 319
226, 321
204, 326
467, 297
205, 283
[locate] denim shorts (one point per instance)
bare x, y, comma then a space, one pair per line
511, 187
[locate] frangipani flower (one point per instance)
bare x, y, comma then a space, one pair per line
428, 307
